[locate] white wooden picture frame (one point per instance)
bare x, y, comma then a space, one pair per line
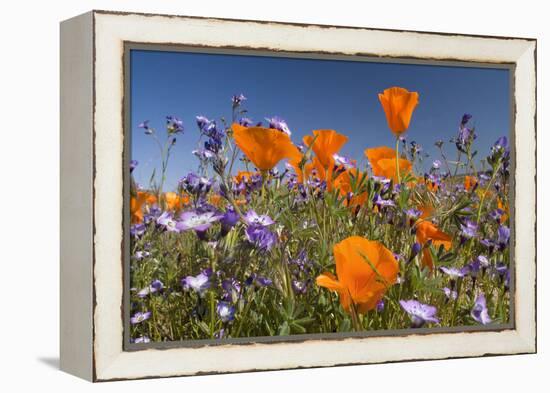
92, 161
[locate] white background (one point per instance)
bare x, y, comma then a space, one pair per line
29, 197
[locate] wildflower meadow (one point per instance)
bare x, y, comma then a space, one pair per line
274, 236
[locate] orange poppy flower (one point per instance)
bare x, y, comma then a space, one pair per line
265, 147
295, 163
469, 182
174, 201
398, 104
365, 269
308, 170
243, 176
325, 143
382, 161
426, 210
430, 185
136, 205
343, 183
504, 208
215, 200
425, 231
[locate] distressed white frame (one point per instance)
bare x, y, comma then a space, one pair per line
97, 353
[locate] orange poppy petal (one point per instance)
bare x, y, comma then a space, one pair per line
325, 143
329, 281
343, 183
398, 104
366, 268
375, 154
425, 231
265, 147
387, 167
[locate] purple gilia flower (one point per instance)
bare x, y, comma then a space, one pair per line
412, 213
503, 237
346, 162
140, 317
197, 221
479, 312
245, 122
145, 126
199, 283
202, 122
449, 293
133, 165
415, 148
419, 313
261, 237
278, 124
196, 185
141, 340
231, 285
139, 255
465, 135
483, 261
501, 143
229, 219
299, 287
473, 268
166, 221
301, 261
503, 273
489, 244
258, 281
436, 164
144, 292
174, 124
156, 286
378, 201
137, 230
380, 305
203, 154
152, 215
496, 214
454, 272
226, 311
232, 289
237, 100
252, 218
465, 119
469, 229
415, 249
501, 269
220, 334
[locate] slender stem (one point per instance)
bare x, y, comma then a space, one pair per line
397, 160
482, 200
212, 314
355, 317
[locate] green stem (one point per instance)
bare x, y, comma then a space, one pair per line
212, 314
482, 200
355, 318
397, 160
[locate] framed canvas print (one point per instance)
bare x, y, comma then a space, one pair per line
245, 195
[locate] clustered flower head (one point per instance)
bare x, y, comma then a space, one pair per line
174, 125
466, 135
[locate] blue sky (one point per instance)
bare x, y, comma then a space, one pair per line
308, 94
